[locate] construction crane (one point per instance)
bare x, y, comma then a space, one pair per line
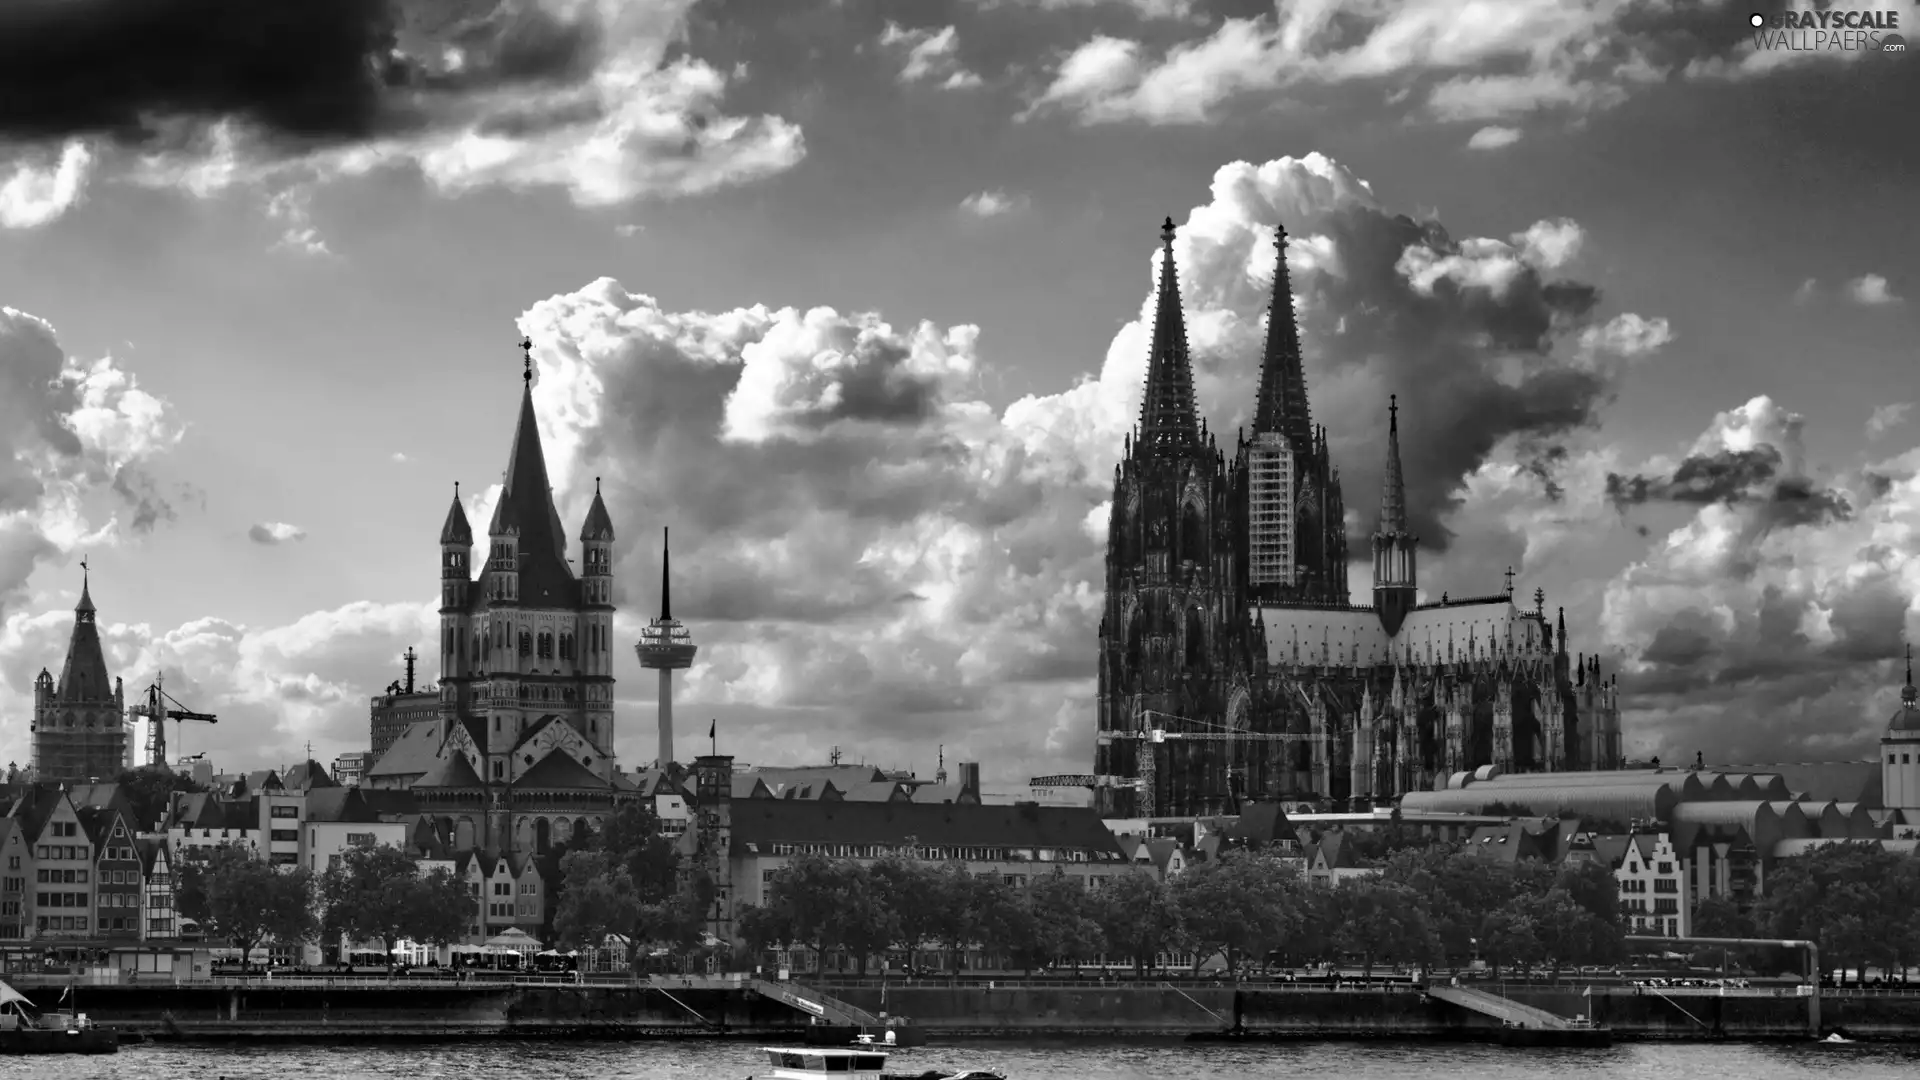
158, 714
1149, 736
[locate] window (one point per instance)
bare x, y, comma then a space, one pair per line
286, 811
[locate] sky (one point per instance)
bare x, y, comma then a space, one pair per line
852, 295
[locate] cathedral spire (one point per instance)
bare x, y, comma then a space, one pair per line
1282, 404
1168, 421
1393, 489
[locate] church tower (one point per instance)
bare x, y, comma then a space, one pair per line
1394, 584
1295, 533
1174, 636
79, 724
527, 645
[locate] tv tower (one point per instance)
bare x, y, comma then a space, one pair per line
665, 646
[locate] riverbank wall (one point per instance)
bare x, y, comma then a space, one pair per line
261, 1012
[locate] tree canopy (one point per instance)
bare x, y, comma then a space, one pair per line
244, 900
626, 881
377, 892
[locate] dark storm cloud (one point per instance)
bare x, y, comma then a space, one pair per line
1734, 476
304, 71
1474, 366
142, 493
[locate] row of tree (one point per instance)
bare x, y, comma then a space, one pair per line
372, 893
1422, 907
1858, 902
626, 884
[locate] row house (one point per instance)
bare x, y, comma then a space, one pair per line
1655, 893
510, 890
161, 920
119, 879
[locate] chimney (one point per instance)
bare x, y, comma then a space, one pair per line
970, 777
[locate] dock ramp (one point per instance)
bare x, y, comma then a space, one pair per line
1505, 1010
814, 1003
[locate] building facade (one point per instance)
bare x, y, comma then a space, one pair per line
79, 723
1233, 663
1900, 755
1654, 897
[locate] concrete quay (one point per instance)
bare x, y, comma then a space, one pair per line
267, 1010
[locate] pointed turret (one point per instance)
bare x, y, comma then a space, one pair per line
599, 524
1282, 404
456, 530
1169, 424
1395, 573
527, 563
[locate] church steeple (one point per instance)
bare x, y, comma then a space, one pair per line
84, 676
1395, 582
529, 545
1169, 424
1282, 403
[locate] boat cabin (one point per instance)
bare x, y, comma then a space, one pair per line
811, 1063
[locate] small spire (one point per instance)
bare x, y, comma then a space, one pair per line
1908, 694
1393, 494
596, 485
1169, 423
526, 350
1562, 631
86, 591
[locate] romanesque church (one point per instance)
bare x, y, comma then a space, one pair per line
521, 757
1233, 662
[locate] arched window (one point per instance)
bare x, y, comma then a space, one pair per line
546, 646
1136, 644
526, 643
1193, 535
1196, 639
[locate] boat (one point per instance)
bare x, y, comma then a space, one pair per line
1836, 1038
1578, 1033
26, 1030
863, 1063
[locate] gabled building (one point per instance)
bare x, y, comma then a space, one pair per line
1654, 897
16, 869
63, 863
119, 879
511, 890
162, 920
79, 723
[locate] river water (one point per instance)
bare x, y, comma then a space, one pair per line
1018, 1060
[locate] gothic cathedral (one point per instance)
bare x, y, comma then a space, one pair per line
1233, 663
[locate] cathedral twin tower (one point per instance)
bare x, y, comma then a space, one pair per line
1232, 661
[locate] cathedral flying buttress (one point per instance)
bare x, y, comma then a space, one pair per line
1233, 663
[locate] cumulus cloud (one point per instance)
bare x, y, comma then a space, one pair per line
1146, 9
1887, 417
1493, 138
275, 532
594, 97
995, 203
873, 556
1482, 62
1870, 290
76, 436
1807, 291
1765, 626
273, 688
39, 191
931, 56
398, 458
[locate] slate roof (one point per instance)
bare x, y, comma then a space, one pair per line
1820, 781
764, 822
389, 804
876, 791
842, 776
339, 804
526, 508
559, 772
415, 752
309, 775
942, 793
457, 530
1260, 822
108, 795
84, 676
34, 805
453, 771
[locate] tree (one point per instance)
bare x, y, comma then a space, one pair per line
243, 900
1381, 920
378, 892
1508, 938
1070, 916
1836, 896
1238, 906
909, 888
1139, 918
1717, 916
599, 898
633, 842
150, 790
964, 904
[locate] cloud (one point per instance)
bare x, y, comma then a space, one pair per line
1145, 9
1764, 626
398, 458
1887, 417
1870, 290
1482, 62
1807, 291
931, 56
274, 688
872, 555
292, 209
595, 97
995, 203
275, 532
76, 437
38, 192
1493, 138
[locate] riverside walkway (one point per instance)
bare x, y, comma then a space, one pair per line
1505, 1010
